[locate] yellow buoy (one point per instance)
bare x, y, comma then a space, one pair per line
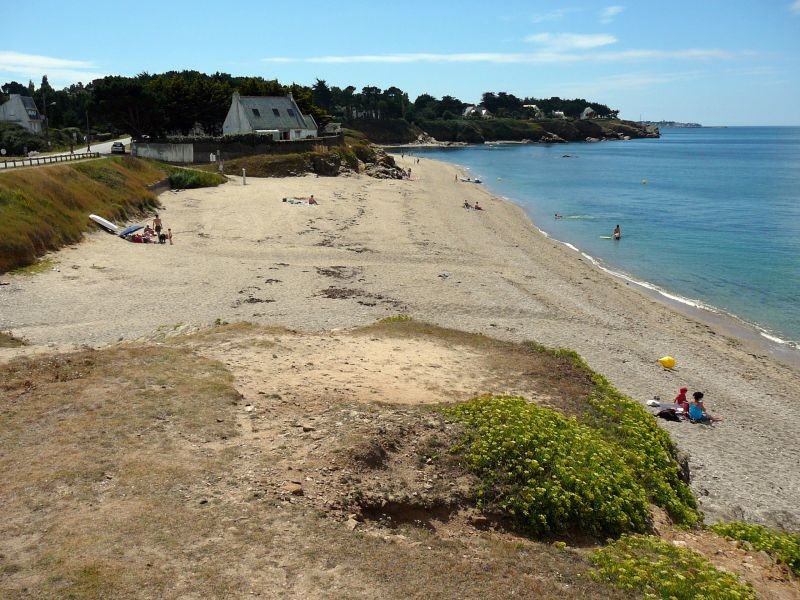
667, 362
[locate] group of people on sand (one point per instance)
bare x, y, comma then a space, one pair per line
475, 206
153, 235
682, 408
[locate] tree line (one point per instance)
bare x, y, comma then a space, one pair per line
176, 101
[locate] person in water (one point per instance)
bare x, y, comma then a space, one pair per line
617, 233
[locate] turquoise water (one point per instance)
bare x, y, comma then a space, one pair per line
710, 215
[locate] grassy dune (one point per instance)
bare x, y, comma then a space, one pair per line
46, 208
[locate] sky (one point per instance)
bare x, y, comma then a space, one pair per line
716, 62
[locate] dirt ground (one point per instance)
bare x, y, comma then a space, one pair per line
249, 461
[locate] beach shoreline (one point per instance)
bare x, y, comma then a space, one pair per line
376, 248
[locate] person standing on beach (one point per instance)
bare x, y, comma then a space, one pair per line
157, 225
169, 235
617, 233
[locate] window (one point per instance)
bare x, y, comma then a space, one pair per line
256, 113
290, 111
276, 112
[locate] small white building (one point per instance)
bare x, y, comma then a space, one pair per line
278, 116
559, 114
588, 113
476, 111
534, 110
332, 129
21, 110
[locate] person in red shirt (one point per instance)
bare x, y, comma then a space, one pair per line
681, 401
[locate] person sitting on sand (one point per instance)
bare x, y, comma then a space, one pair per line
697, 411
147, 234
617, 233
311, 199
681, 401
477, 206
467, 204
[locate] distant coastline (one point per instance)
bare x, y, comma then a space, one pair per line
669, 124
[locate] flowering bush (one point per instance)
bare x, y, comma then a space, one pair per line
547, 471
646, 449
783, 546
644, 446
657, 569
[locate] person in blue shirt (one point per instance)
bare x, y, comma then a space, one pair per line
697, 411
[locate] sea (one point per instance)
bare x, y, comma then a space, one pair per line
710, 217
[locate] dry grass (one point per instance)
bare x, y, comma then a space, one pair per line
9, 341
45, 208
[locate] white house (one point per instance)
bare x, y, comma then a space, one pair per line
278, 116
476, 111
22, 110
534, 110
588, 113
559, 114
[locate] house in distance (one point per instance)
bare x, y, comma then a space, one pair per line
21, 110
277, 116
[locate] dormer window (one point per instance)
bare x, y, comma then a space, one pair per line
276, 112
290, 111
256, 113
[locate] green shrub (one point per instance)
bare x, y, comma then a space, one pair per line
185, 179
657, 569
646, 449
364, 152
644, 446
547, 471
783, 546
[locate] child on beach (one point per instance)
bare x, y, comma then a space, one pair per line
681, 401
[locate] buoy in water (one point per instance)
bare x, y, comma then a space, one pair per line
644, 181
667, 362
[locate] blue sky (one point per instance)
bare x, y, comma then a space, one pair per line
717, 62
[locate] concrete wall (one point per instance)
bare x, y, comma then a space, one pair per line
205, 152
171, 153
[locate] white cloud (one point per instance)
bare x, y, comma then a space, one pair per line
571, 41
613, 84
59, 71
795, 7
548, 56
610, 12
554, 15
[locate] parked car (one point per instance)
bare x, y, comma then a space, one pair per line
117, 148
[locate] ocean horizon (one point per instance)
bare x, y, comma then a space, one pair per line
710, 216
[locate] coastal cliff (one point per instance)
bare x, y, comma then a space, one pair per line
479, 131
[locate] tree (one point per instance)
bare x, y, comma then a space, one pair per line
127, 104
321, 95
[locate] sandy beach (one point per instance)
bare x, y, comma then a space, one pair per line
376, 248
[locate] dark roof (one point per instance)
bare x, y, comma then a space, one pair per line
28, 103
275, 112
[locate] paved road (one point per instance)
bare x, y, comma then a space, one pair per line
101, 147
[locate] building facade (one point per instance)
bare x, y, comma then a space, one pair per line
277, 116
21, 110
